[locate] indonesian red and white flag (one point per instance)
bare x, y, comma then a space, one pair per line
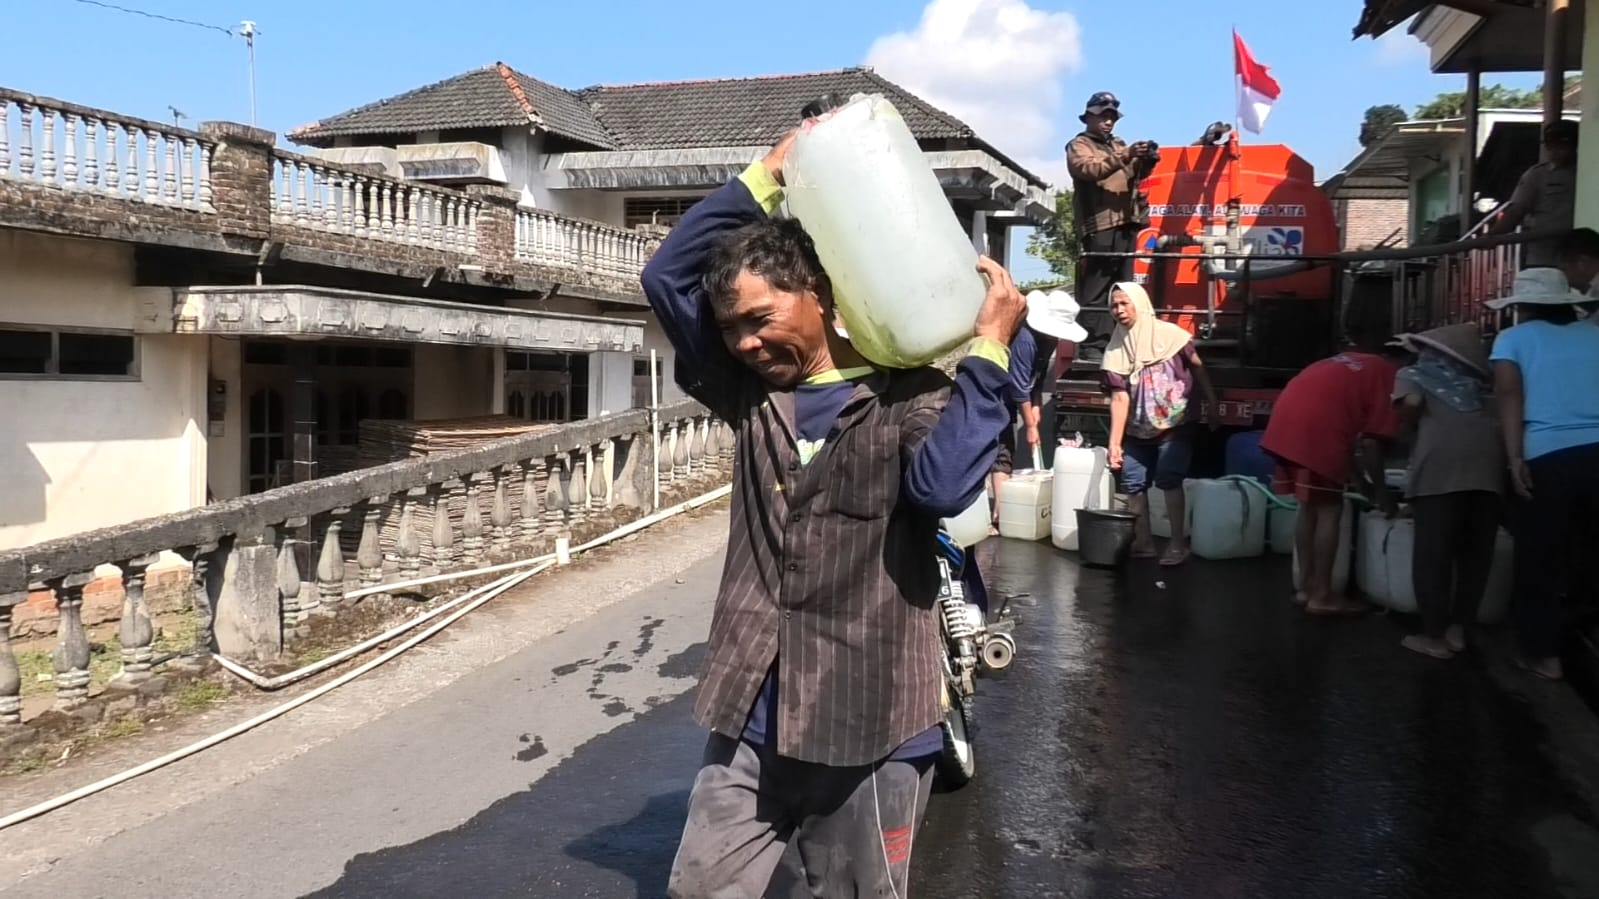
1257, 90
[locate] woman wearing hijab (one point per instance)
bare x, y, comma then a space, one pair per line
1454, 483
1150, 371
1544, 370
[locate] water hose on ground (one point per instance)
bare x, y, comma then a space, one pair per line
487, 593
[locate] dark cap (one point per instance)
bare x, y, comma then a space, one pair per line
1561, 132
1102, 103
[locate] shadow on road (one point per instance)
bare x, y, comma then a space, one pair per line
603, 823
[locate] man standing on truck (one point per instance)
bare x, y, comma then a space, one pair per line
822, 685
1110, 211
1545, 197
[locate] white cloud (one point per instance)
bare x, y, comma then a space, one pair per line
997, 65
1399, 47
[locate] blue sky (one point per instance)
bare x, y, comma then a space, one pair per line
1018, 70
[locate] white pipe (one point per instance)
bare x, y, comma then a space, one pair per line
283, 680
177, 755
447, 576
655, 435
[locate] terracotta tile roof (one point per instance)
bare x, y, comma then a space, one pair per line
740, 112
731, 112
493, 96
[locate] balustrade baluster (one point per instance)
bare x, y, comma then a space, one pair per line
577, 492
10, 673
25, 140
627, 491
152, 167
452, 211
664, 452
500, 512
205, 177
385, 211
328, 193
443, 530
330, 565
187, 183
47, 148
91, 153
113, 159
5, 137
603, 464
413, 231
170, 176
472, 522
530, 499
554, 496
135, 632
130, 172
408, 542
696, 447
680, 456
199, 558
71, 657
69, 150
369, 552
302, 200
291, 587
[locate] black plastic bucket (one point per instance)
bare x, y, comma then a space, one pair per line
1104, 536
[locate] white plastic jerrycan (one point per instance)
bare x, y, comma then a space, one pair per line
970, 527
904, 272
1227, 518
1082, 481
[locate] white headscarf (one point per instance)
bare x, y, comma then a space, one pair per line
1149, 341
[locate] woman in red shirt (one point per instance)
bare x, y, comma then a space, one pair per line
1335, 410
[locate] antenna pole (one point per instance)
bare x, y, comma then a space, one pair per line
247, 29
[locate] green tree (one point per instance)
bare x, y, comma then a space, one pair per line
1452, 105
1378, 120
1056, 241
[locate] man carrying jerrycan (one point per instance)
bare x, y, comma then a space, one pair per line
823, 681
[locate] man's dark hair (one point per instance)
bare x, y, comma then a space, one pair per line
1580, 242
776, 249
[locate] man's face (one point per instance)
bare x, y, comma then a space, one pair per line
1581, 271
1103, 123
1562, 153
777, 333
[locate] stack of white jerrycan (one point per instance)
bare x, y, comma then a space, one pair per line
903, 270
1082, 480
1026, 502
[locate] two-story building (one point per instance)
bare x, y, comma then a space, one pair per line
195, 315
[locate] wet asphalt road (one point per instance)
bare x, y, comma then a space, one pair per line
1192, 740
1200, 739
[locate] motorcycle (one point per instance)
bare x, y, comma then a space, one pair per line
972, 646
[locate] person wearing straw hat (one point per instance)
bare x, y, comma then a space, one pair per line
1455, 480
1150, 371
1546, 370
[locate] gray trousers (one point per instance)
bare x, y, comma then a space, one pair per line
853, 827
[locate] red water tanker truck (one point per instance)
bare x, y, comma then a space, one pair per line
1238, 251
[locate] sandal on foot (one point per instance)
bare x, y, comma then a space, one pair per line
1419, 644
1173, 559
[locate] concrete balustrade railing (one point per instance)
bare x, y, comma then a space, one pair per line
321, 196
75, 148
590, 247
262, 565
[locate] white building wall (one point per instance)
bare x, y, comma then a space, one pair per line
82, 454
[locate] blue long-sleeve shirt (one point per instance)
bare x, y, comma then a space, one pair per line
946, 471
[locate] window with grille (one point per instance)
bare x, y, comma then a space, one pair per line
655, 210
